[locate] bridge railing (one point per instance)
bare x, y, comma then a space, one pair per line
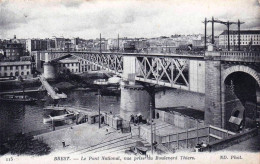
240, 56
179, 53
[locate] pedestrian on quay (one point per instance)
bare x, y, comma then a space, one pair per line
63, 143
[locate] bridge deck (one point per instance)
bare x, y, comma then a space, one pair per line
168, 55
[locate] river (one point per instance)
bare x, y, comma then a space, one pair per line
17, 118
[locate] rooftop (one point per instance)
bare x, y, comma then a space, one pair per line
232, 32
15, 63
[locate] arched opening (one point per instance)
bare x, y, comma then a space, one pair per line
240, 101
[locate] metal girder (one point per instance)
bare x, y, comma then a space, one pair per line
110, 62
163, 71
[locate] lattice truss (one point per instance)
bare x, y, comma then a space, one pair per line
171, 71
105, 61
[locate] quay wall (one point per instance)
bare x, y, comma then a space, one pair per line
177, 97
178, 120
231, 140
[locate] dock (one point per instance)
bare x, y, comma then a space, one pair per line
54, 95
20, 91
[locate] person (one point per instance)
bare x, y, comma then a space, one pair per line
63, 143
140, 118
136, 119
132, 119
155, 145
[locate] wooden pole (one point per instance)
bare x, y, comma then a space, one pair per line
208, 134
238, 35
53, 126
177, 140
212, 30
151, 106
99, 108
197, 124
118, 42
99, 91
100, 44
228, 35
187, 138
205, 37
169, 142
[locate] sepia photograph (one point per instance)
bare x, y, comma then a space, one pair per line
123, 81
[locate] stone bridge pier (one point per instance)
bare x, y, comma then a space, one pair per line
135, 97
49, 68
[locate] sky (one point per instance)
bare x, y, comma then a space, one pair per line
128, 18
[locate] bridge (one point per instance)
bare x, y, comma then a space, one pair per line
229, 80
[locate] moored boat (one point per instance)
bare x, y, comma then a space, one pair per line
17, 98
59, 115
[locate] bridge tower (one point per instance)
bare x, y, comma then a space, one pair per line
213, 85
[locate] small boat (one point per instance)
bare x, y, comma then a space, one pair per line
17, 98
59, 115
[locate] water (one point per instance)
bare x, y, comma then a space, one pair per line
17, 118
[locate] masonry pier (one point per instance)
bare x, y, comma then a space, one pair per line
135, 100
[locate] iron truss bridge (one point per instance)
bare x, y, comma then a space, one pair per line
170, 70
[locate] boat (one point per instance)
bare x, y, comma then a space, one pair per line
111, 91
59, 115
17, 98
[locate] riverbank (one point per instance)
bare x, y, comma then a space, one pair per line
63, 82
79, 137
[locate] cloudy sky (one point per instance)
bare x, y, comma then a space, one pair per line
131, 18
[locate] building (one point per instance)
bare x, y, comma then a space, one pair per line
16, 68
78, 44
12, 51
69, 65
59, 43
36, 45
116, 44
23, 42
104, 44
248, 39
50, 44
